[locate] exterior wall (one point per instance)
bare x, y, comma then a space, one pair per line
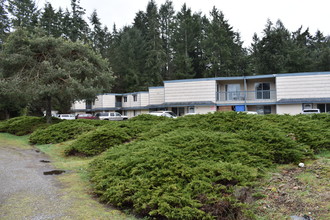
156, 95
223, 84
109, 100
79, 105
98, 103
144, 99
303, 86
251, 83
205, 109
289, 109
188, 91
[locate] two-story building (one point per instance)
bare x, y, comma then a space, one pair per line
265, 94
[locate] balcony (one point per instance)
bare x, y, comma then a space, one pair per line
119, 104
246, 96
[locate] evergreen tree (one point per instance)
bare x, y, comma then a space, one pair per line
166, 14
78, 29
225, 55
24, 13
155, 57
4, 22
182, 39
53, 69
271, 51
50, 21
98, 35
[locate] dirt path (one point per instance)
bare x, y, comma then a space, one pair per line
25, 192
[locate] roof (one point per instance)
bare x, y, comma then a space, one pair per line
182, 104
303, 100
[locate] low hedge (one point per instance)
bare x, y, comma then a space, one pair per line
191, 167
112, 134
63, 131
24, 125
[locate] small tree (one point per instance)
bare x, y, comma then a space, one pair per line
53, 68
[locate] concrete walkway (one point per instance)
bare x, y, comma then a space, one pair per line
25, 192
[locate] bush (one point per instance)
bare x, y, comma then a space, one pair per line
63, 131
190, 167
24, 125
112, 134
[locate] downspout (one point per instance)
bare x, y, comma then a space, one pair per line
245, 91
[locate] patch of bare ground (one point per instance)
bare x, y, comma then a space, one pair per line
297, 191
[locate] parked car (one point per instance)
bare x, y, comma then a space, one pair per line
111, 116
86, 116
311, 111
168, 114
66, 116
251, 112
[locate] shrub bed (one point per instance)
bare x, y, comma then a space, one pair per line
24, 125
63, 131
112, 134
193, 167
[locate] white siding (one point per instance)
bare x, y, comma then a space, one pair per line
188, 91
109, 100
289, 109
144, 99
156, 95
98, 103
79, 105
308, 86
204, 109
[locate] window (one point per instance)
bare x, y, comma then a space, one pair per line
191, 109
233, 92
125, 98
262, 90
323, 107
264, 109
134, 98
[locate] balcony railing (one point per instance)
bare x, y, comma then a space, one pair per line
119, 104
238, 96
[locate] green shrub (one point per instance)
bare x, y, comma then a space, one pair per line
112, 134
97, 141
24, 125
175, 175
63, 131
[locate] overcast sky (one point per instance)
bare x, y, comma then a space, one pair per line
245, 16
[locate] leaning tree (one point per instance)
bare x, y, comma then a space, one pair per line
53, 69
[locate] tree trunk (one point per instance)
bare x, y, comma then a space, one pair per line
49, 109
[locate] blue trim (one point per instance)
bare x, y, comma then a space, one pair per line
302, 74
248, 77
259, 103
157, 87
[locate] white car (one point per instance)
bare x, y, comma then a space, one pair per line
168, 114
66, 116
111, 116
310, 111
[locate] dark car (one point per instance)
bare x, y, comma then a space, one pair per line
86, 116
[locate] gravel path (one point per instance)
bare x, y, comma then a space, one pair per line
25, 192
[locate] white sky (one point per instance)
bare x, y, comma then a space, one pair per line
245, 16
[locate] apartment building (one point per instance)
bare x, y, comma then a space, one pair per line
265, 94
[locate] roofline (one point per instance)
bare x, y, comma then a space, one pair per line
248, 77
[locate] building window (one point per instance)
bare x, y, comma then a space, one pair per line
134, 98
262, 90
125, 98
233, 92
324, 107
191, 109
264, 109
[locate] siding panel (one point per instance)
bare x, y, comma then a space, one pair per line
309, 86
190, 91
